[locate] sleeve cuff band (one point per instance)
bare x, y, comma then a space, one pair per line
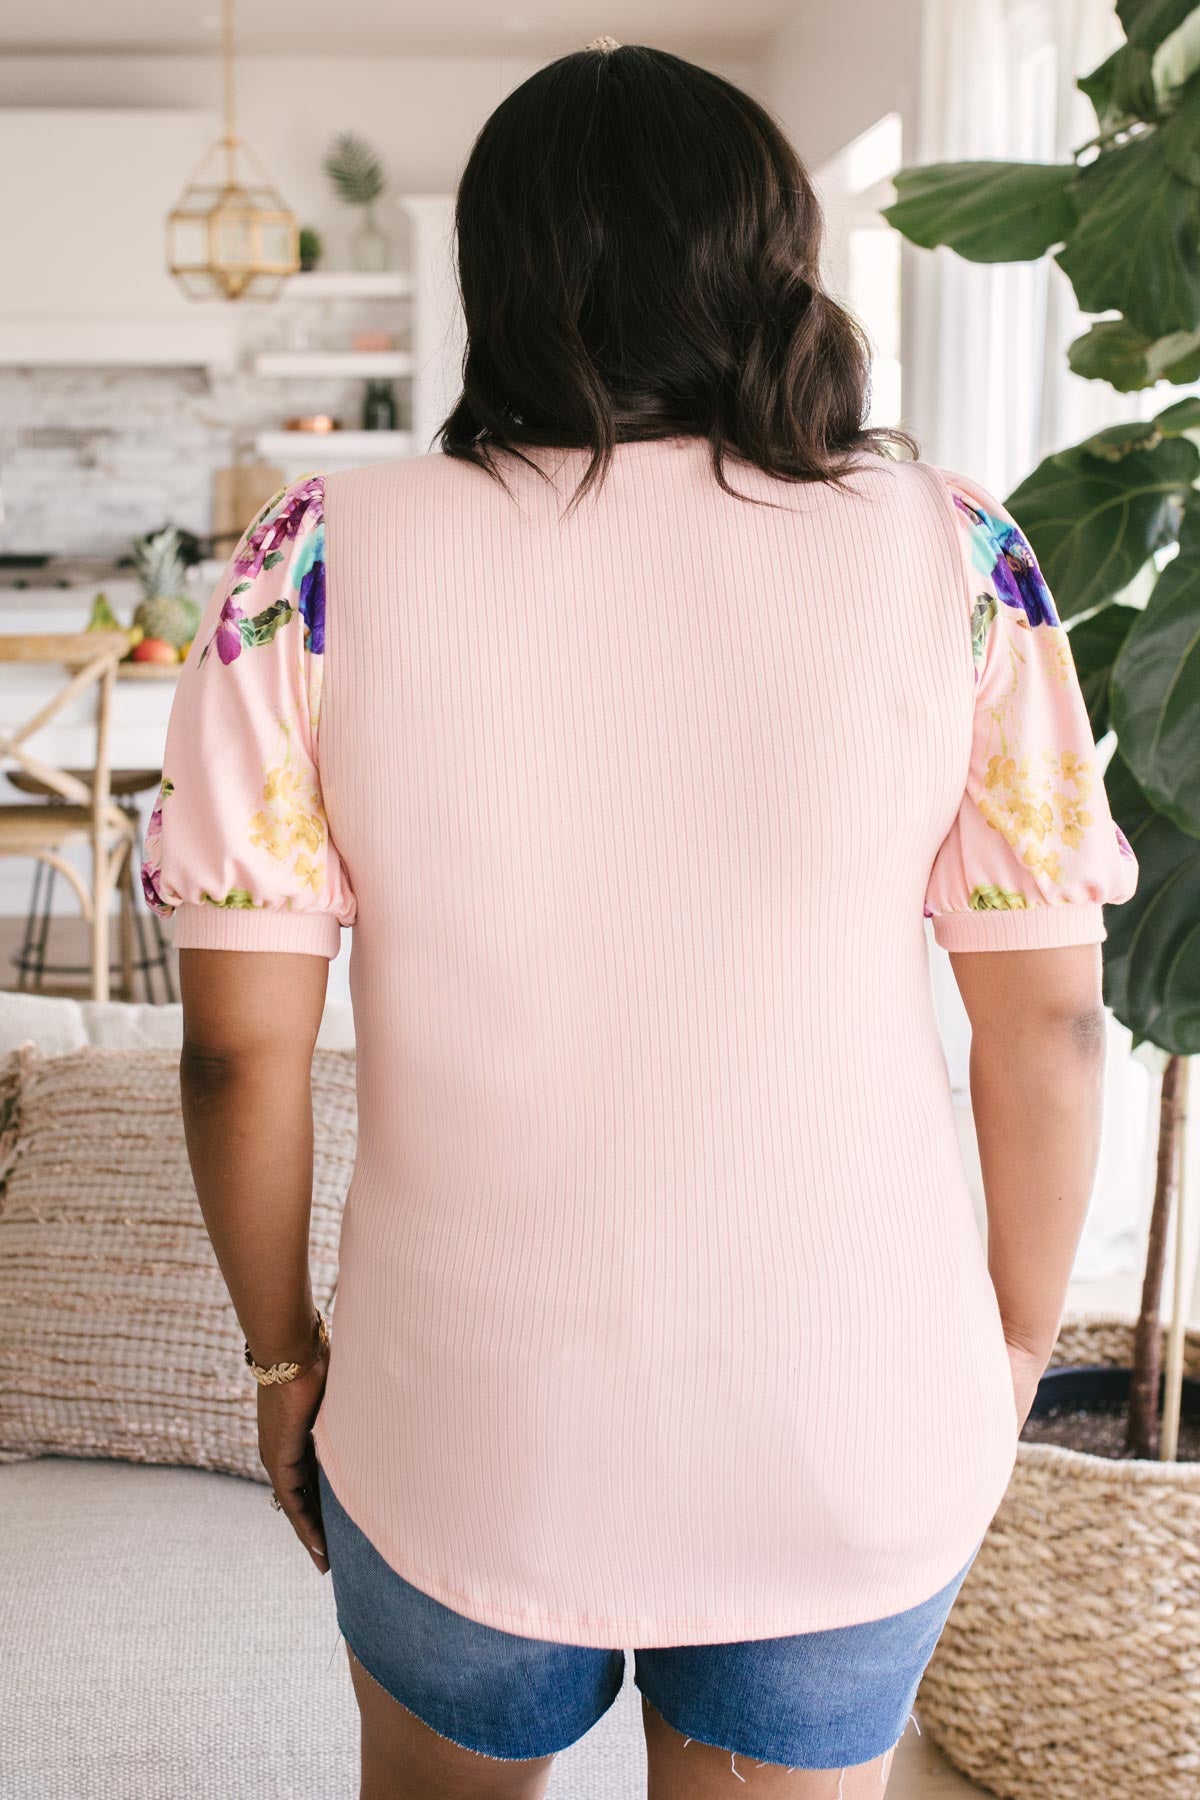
1045, 927
199, 927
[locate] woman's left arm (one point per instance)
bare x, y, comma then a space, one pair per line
239, 855
250, 1025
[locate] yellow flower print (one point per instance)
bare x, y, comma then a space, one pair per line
1062, 655
1036, 818
1037, 796
1075, 820
1001, 772
309, 874
270, 834
290, 822
1073, 767
1043, 862
278, 784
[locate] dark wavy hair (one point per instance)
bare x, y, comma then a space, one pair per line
638, 257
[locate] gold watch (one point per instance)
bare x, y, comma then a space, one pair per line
288, 1371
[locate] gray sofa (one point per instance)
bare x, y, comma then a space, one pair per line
167, 1639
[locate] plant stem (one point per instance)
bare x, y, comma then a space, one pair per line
1168, 1448
1142, 1434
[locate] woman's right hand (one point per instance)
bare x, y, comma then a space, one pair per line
285, 1420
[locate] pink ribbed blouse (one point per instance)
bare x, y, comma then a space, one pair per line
663, 1317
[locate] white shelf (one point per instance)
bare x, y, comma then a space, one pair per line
314, 448
347, 284
189, 343
340, 363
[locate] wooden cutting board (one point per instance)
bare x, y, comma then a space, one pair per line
238, 493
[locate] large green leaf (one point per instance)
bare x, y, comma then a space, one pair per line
1133, 248
1122, 88
1152, 954
1116, 352
1094, 523
1113, 443
1148, 22
986, 211
1156, 685
1181, 417
1162, 53
1095, 642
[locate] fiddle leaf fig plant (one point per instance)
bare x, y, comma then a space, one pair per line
1115, 520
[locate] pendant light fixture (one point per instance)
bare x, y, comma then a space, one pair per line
229, 234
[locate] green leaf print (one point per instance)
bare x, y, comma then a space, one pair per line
235, 897
990, 898
262, 627
982, 615
272, 559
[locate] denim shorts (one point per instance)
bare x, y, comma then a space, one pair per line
822, 1700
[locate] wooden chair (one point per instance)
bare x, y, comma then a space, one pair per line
85, 812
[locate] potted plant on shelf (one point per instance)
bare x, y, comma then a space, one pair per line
358, 179
1069, 1668
311, 248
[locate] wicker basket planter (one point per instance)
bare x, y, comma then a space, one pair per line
1070, 1666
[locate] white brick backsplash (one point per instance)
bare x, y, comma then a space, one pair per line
90, 458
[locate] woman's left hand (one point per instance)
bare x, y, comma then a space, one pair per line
285, 1421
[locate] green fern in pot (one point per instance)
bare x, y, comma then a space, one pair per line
357, 177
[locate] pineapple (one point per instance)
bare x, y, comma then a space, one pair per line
166, 611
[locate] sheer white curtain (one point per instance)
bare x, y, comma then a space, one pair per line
988, 392
987, 388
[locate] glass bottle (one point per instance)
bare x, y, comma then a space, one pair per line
379, 407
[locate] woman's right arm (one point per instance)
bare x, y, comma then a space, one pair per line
1016, 896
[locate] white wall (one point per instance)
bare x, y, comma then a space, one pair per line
833, 70
421, 113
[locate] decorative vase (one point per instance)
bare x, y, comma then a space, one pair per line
370, 247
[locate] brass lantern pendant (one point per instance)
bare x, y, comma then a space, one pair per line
229, 234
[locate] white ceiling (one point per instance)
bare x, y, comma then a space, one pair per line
456, 27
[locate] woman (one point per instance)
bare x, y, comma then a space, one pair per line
636, 734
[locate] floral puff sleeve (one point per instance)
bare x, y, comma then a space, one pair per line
1034, 854
238, 849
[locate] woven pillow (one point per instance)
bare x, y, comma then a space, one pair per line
117, 1335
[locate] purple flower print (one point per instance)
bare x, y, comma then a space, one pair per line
1005, 555
277, 527
312, 607
228, 635
1123, 844
152, 863
150, 889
